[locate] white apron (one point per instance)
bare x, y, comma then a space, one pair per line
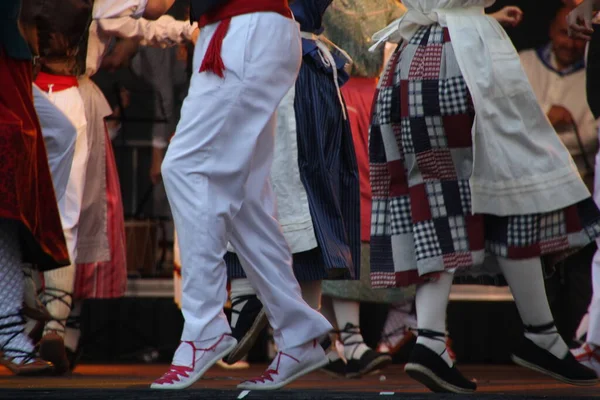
520, 165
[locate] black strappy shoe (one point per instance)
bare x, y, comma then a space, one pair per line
567, 369
52, 345
429, 368
30, 363
369, 362
252, 319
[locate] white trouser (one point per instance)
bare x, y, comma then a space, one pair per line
216, 175
59, 137
70, 103
593, 335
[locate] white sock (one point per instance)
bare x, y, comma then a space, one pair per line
11, 300
57, 297
431, 303
347, 315
526, 283
311, 293
239, 287
399, 319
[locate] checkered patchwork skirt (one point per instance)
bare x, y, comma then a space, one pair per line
421, 159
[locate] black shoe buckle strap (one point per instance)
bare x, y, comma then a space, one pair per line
541, 329
433, 335
430, 334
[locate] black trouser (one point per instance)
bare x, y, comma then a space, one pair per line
569, 290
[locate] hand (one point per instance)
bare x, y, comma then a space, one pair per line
195, 35
558, 115
509, 16
157, 159
580, 20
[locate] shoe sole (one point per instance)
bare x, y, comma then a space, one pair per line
246, 343
289, 380
374, 365
333, 374
28, 370
195, 377
433, 382
52, 349
526, 364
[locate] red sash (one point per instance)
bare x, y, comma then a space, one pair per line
213, 61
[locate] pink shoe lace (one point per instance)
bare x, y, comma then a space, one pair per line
176, 372
268, 374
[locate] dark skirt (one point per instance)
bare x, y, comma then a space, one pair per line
329, 173
421, 157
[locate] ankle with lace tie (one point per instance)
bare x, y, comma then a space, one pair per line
176, 372
437, 336
50, 296
349, 331
268, 374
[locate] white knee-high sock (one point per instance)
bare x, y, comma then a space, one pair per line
431, 304
11, 299
58, 297
239, 288
347, 315
311, 293
400, 317
526, 283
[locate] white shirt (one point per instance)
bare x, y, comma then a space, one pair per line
520, 166
164, 32
122, 18
97, 42
567, 89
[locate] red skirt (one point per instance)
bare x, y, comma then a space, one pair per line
107, 280
358, 94
26, 191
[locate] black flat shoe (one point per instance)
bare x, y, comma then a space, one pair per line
370, 361
336, 368
567, 369
251, 321
427, 367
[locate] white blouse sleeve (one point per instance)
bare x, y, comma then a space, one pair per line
119, 8
165, 31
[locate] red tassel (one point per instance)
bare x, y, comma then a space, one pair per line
213, 62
